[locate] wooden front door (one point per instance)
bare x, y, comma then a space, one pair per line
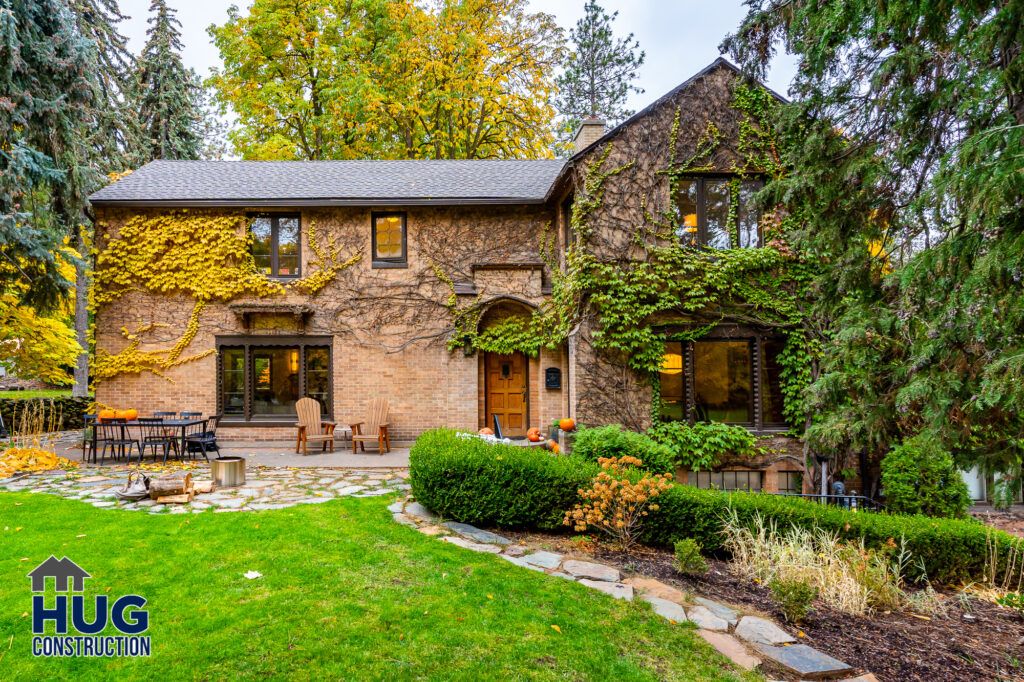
505, 378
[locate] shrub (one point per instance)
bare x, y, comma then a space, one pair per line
66, 410
919, 477
502, 485
703, 446
689, 559
475, 482
794, 598
616, 505
614, 441
1013, 601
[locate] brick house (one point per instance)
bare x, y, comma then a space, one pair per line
428, 237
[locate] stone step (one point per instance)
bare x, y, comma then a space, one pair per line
731, 648
805, 661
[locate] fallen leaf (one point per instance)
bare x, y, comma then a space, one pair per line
556, 629
25, 615
80, 535
17, 504
252, 575
24, 558
800, 633
17, 529
490, 596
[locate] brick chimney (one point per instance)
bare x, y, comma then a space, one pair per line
590, 131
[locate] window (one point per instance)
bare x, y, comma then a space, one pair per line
389, 240
259, 381
702, 205
714, 379
791, 482
738, 479
275, 244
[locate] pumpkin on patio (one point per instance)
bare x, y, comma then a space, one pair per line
552, 446
105, 415
567, 424
130, 414
533, 435
486, 431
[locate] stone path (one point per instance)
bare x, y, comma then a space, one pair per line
747, 640
265, 487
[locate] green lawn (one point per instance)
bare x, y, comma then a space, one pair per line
45, 393
346, 594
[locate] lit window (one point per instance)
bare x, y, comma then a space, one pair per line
389, 240
702, 208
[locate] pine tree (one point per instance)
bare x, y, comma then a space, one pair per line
598, 73
113, 136
169, 95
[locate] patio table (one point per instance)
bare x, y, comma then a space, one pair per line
182, 424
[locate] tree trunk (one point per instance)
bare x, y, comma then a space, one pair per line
166, 485
81, 388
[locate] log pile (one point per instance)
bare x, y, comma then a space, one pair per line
177, 488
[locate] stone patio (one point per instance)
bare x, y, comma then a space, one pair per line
265, 487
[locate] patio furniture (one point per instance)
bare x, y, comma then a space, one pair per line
201, 437
376, 427
88, 424
191, 415
312, 427
155, 434
166, 415
114, 435
228, 472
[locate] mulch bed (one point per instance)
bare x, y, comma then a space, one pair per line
975, 640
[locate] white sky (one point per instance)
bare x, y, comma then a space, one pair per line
680, 37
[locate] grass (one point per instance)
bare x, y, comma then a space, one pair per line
346, 593
44, 393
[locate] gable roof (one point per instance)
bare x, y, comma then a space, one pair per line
719, 63
333, 183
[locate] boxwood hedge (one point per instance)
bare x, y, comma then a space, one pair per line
472, 481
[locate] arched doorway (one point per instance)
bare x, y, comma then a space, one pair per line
506, 376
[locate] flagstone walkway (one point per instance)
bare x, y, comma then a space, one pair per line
265, 487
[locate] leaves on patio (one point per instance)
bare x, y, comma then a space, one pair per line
28, 460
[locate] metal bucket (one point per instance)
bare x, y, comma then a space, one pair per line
228, 472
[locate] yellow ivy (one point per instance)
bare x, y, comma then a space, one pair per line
326, 263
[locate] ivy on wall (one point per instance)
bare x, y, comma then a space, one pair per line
203, 255
672, 291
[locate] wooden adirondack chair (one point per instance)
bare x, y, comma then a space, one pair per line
376, 427
311, 427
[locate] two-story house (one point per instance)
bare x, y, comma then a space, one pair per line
371, 267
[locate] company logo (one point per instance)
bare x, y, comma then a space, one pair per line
77, 635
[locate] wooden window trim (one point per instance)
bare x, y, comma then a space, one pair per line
702, 215
250, 343
275, 227
395, 262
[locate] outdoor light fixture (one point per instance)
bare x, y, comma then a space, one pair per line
672, 364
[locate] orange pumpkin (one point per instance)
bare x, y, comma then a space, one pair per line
533, 435
553, 446
567, 424
131, 414
104, 415
486, 431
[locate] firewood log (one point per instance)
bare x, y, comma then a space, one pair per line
166, 485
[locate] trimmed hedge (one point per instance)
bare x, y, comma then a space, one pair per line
475, 482
70, 409
472, 481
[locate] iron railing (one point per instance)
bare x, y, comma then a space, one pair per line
852, 502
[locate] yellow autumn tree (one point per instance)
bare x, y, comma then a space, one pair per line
452, 79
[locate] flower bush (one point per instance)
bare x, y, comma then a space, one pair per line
616, 505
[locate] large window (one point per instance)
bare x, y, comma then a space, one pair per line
259, 381
717, 379
389, 240
738, 479
275, 244
702, 205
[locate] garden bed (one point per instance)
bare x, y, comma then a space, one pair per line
893, 646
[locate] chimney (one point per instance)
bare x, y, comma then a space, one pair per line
591, 129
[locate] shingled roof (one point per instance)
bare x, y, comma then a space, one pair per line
333, 183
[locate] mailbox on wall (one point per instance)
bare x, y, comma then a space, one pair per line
552, 377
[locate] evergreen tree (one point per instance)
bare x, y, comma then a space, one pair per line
905, 141
43, 177
113, 136
598, 72
169, 96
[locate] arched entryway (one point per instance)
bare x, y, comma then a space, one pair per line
505, 389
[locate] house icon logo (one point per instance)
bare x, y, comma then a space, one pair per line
62, 571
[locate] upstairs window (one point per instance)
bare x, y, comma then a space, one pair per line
389, 240
275, 244
703, 208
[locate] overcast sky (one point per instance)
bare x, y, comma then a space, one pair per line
680, 37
